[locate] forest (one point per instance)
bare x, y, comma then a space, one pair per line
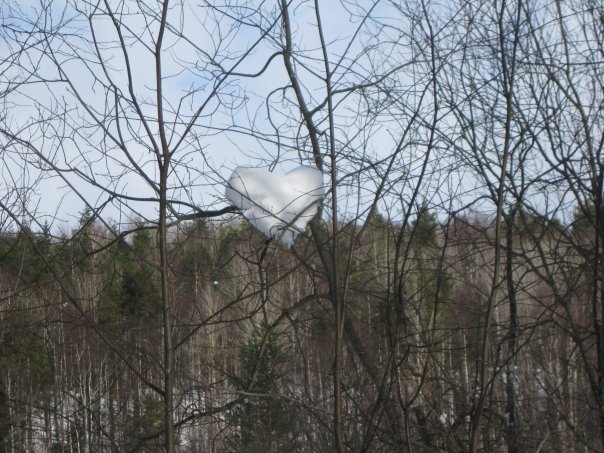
448, 295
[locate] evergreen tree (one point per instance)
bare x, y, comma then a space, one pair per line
264, 421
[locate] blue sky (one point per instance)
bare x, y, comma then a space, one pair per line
77, 114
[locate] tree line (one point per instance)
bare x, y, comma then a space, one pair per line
253, 339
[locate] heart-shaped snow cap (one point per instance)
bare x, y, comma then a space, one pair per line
277, 205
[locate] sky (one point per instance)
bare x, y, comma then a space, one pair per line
220, 139
74, 137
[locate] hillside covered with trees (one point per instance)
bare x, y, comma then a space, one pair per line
253, 338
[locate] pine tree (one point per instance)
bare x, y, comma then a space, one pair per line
265, 420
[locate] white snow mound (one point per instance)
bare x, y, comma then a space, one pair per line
277, 205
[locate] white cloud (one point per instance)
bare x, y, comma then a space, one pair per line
277, 205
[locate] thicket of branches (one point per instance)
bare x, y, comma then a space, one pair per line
448, 297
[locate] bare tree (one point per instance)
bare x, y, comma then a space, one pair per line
106, 122
454, 271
